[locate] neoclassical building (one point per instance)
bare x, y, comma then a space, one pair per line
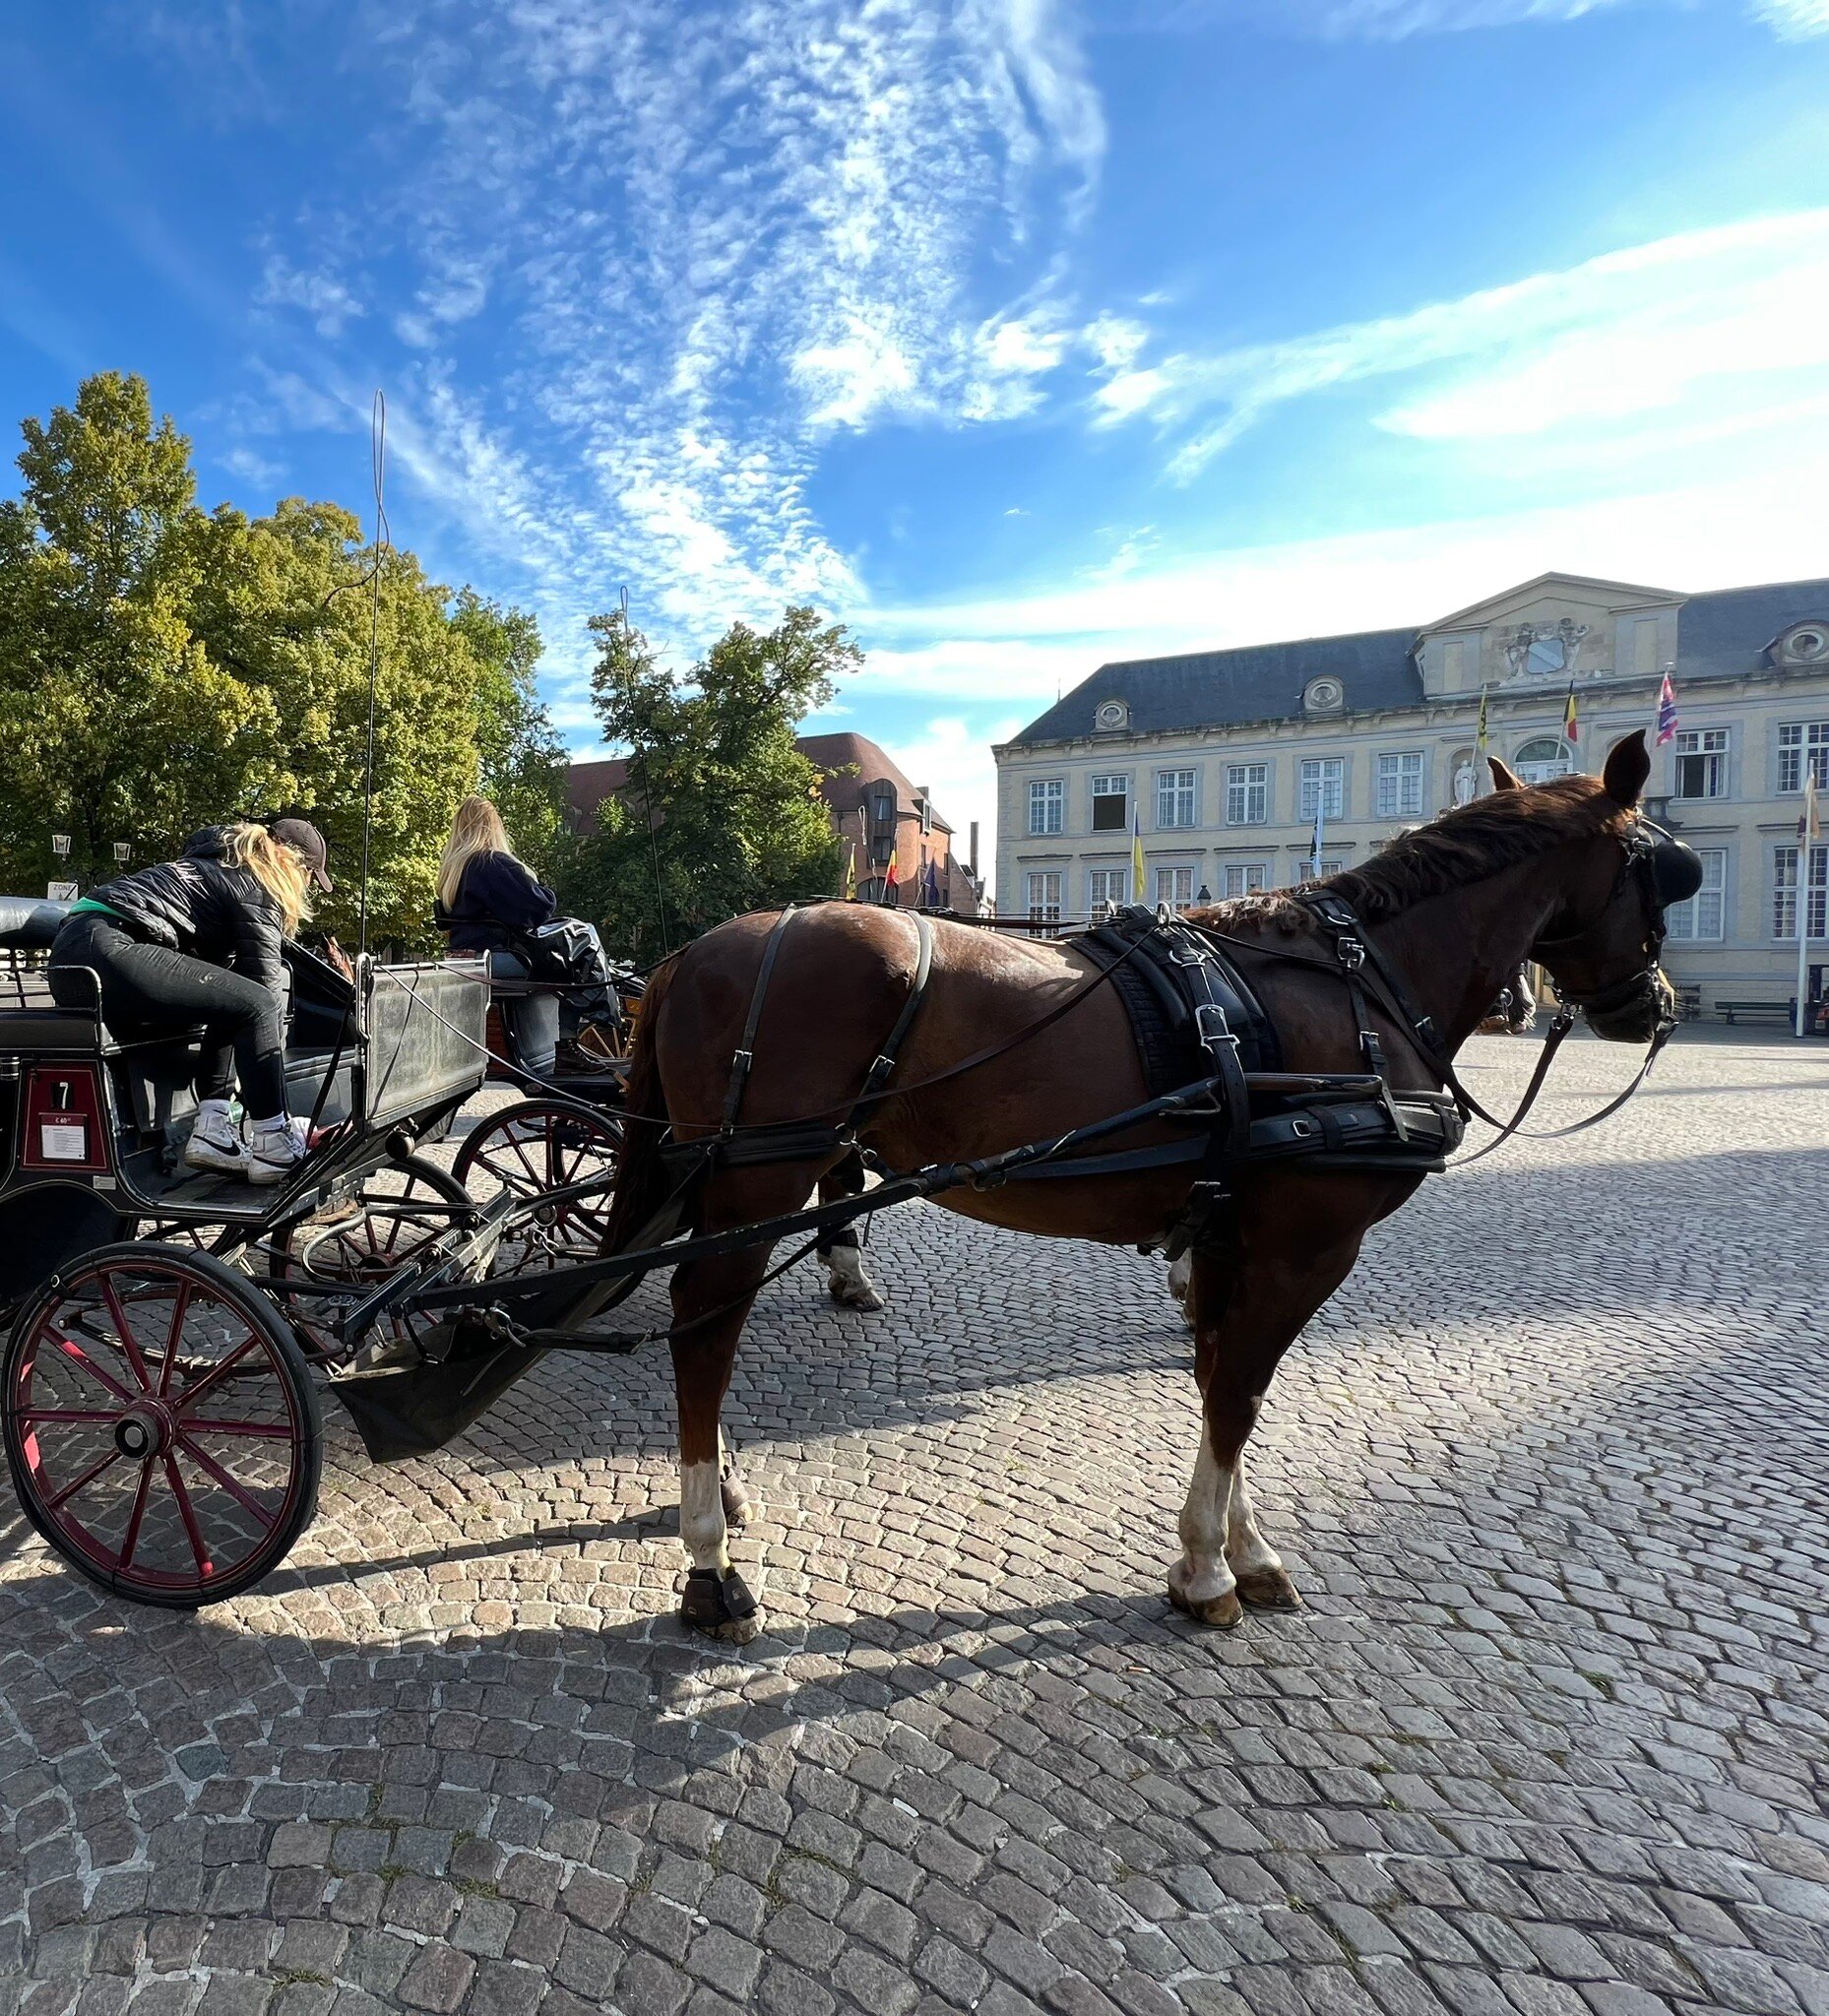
1223, 755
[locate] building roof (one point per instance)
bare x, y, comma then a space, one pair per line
1727, 630
1225, 689
1719, 634
588, 785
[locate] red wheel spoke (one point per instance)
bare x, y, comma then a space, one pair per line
266, 1431
71, 1416
520, 1156
128, 1342
180, 1304
187, 1512
89, 1477
235, 1491
78, 1357
191, 1395
131, 1537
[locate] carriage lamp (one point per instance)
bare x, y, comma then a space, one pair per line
122, 853
60, 845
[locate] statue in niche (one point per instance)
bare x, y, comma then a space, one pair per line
1465, 782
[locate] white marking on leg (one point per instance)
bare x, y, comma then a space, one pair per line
1202, 1573
1182, 1286
700, 1516
1246, 1550
851, 1280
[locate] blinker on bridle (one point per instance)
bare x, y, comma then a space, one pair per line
1667, 871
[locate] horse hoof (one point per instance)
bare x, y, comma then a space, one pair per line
1269, 1589
720, 1606
1221, 1613
862, 1297
738, 1510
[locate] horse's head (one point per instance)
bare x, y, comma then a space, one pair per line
1600, 943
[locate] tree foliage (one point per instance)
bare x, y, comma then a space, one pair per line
162, 667
722, 812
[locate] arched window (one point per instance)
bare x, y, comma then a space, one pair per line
1542, 759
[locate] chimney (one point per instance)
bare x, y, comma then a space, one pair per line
973, 862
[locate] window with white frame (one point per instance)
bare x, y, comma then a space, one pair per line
1174, 887
1324, 784
1785, 892
1797, 739
1400, 785
1047, 804
1701, 763
1175, 797
1102, 886
1111, 804
1704, 914
1539, 761
1246, 878
1247, 793
1043, 886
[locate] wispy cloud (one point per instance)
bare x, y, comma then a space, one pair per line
702, 240
1794, 18
1615, 337
1397, 20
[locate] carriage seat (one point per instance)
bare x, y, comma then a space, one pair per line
29, 924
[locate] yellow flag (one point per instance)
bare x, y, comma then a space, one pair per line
1136, 857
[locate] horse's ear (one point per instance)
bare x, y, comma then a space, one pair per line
1628, 765
1504, 776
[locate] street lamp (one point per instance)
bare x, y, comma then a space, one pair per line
122, 853
60, 845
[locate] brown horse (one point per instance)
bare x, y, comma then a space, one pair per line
1452, 907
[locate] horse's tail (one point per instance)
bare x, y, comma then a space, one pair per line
641, 1176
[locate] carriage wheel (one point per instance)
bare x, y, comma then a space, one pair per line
535, 1148
161, 1425
381, 1235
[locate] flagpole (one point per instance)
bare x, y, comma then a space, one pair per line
1806, 832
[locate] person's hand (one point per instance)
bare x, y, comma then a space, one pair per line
336, 955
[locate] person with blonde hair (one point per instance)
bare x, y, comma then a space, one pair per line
199, 940
489, 901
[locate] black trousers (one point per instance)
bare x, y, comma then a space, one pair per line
150, 989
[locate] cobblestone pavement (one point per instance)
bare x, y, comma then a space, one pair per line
1549, 1737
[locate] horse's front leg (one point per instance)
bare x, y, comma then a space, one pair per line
1246, 1313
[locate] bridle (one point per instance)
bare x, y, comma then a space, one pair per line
1665, 873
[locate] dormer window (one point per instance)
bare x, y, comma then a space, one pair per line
1323, 696
1111, 718
1803, 644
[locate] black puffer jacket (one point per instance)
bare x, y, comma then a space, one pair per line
498, 899
204, 905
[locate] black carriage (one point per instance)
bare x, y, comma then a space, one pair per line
160, 1417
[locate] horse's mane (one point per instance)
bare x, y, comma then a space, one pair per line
1465, 844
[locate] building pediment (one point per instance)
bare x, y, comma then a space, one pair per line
1556, 628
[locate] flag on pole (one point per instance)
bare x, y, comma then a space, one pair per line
1571, 729
1136, 856
1314, 839
890, 879
1481, 776
930, 892
851, 871
1809, 825
1667, 711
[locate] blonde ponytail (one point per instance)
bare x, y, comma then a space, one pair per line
276, 867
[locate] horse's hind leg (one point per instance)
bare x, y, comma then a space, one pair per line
840, 1252
1246, 1315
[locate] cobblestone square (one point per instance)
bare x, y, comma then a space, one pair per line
1548, 1740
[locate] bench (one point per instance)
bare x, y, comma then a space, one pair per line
1754, 1011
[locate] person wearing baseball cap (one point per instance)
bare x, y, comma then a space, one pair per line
308, 843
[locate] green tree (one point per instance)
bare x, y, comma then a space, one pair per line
162, 669
722, 813
115, 725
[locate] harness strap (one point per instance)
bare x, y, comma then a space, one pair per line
879, 1072
745, 1053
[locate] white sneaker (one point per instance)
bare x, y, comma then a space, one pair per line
215, 1144
275, 1151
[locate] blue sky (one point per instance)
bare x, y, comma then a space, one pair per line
1020, 334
